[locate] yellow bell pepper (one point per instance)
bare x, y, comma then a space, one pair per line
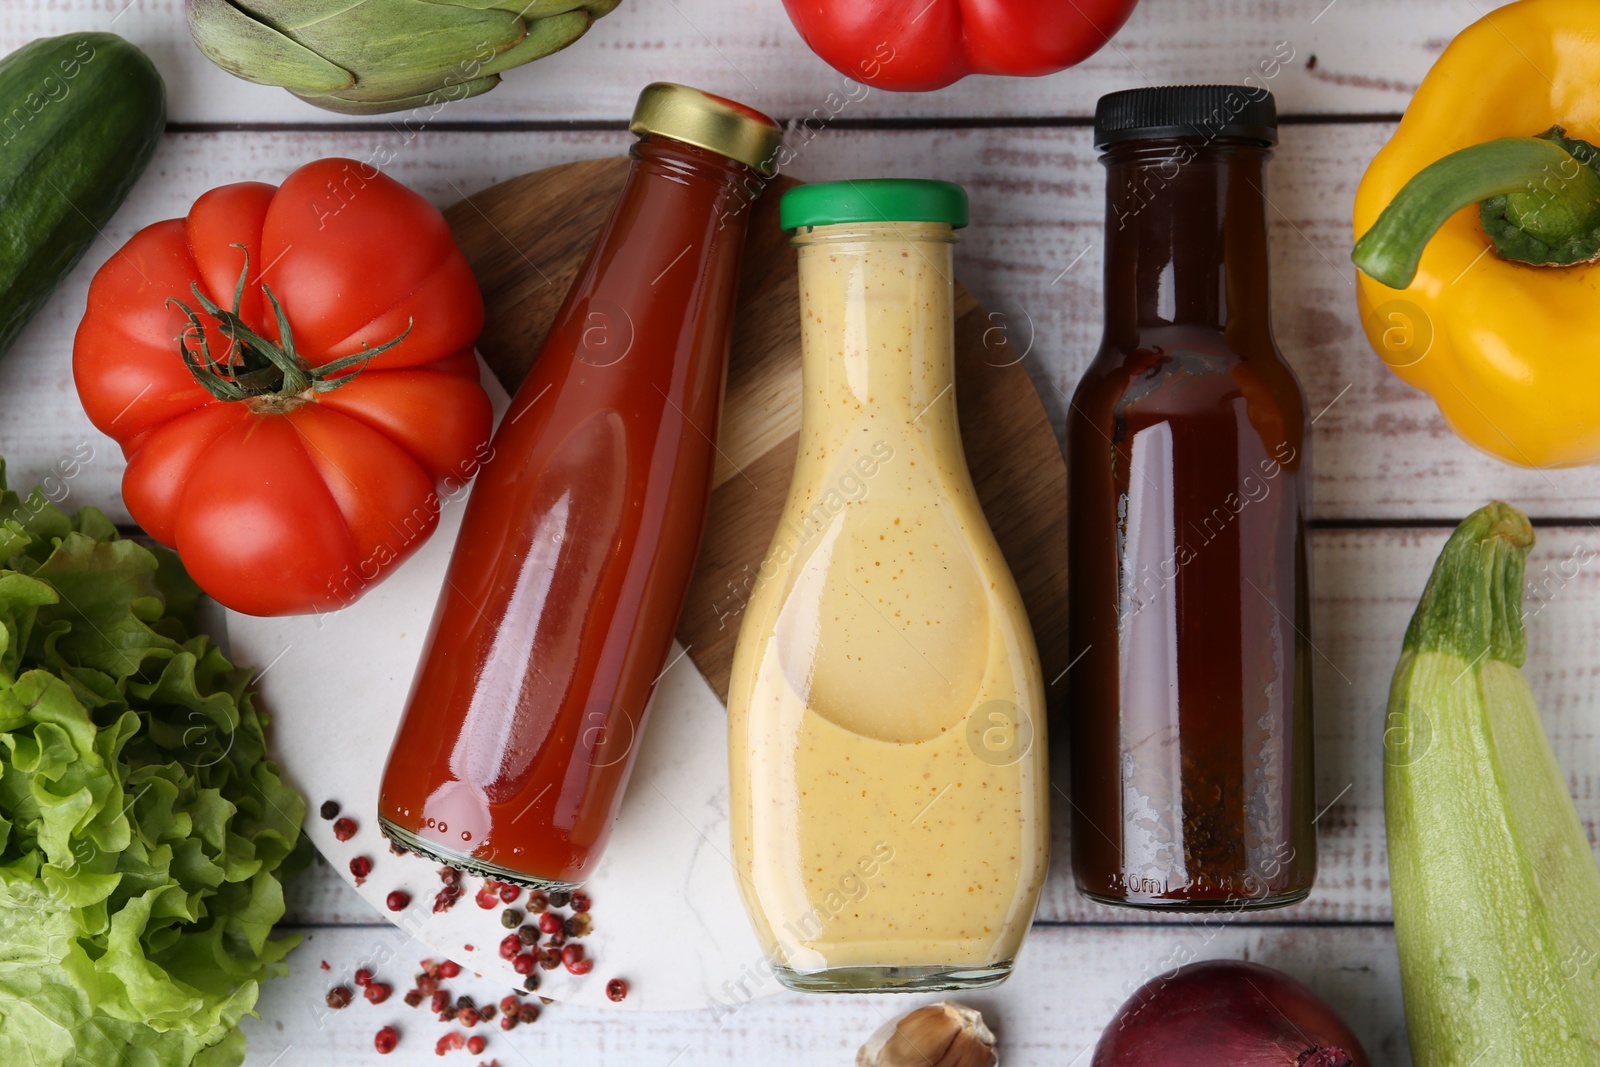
1495, 311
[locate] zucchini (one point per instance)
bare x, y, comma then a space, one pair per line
1496, 894
80, 116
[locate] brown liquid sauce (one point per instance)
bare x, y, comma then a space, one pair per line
1192, 774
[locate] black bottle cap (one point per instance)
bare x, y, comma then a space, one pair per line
1187, 111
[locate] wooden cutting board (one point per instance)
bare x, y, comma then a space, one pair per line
526, 239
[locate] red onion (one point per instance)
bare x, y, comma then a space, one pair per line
1227, 1013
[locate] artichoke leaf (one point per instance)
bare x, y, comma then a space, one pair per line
545, 36
348, 104
258, 53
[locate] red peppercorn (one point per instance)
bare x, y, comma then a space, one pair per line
363, 976
524, 963
399, 900
617, 989
344, 829
581, 967
580, 901
507, 1022
449, 875
558, 938
509, 894
413, 997
468, 1017
537, 901
440, 1001
378, 992
325, 966
428, 984
488, 898
572, 954
487, 1012
549, 958
528, 1013
510, 945
386, 1040
477, 1043
550, 922
339, 997
361, 866
449, 969
452, 1040
509, 1004
446, 898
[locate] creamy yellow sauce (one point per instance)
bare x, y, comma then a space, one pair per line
887, 749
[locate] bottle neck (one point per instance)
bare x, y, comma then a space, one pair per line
1186, 239
877, 323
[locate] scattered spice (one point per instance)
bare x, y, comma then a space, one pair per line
330, 809
477, 1043
325, 966
452, 1040
386, 1040
531, 982
523, 963
339, 997
413, 998
550, 923
510, 945
560, 898
617, 989
509, 893
528, 935
378, 992
549, 958
363, 977
528, 1014
580, 925
440, 1001
468, 1017
511, 918
344, 829
488, 899
449, 969
361, 866
446, 898
399, 900
580, 900
537, 901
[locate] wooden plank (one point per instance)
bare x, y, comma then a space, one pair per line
1319, 56
1068, 984
1032, 257
1366, 584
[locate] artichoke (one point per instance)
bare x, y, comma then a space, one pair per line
363, 57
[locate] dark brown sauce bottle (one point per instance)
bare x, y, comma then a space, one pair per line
1192, 777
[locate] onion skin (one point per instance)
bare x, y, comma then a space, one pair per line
1227, 1013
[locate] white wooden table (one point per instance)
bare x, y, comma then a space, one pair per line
1390, 478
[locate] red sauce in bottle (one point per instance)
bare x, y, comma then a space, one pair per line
1192, 779
580, 536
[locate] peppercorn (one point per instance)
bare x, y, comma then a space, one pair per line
581, 967
363, 977
528, 935
477, 1043
580, 900
523, 963
511, 918
572, 954
549, 958
413, 997
453, 1040
378, 992
449, 969
428, 984
531, 982
449, 875
487, 898
558, 939
399, 900
549, 922
537, 901
330, 809
360, 866
339, 997
507, 1021
344, 829
528, 1013
487, 1012
386, 1040
617, 989
467, 1017
510, 945
440, 1001
560, 898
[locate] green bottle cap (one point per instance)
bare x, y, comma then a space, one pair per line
873, 200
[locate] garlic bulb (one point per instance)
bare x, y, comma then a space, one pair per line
945, 1034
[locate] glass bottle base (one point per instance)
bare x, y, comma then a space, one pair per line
930, 979
463, 862
1235, 903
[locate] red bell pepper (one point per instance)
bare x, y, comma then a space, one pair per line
917, 45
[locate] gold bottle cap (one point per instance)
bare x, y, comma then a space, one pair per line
712, 122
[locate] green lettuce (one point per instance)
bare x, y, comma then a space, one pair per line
144, 835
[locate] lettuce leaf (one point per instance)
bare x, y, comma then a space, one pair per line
144, 835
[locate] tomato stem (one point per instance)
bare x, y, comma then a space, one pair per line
254, 367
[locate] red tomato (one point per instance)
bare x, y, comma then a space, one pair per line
296, 499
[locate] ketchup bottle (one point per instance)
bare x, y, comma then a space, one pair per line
580, 537
1192, 779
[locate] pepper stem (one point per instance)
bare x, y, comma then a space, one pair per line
254, 367
1539, 202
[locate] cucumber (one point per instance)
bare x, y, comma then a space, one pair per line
80, 116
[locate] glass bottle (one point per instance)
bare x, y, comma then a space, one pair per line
1191, 729
581, 533
886, 711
